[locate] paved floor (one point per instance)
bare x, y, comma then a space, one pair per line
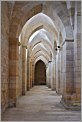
40, 104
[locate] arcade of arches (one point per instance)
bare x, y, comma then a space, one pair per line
41, 45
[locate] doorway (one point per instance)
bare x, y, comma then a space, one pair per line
40, 73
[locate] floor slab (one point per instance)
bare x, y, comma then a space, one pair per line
40, 104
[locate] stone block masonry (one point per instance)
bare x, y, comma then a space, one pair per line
4, 56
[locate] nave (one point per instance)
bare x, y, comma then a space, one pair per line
40, 104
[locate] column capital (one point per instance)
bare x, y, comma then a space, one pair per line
32, 64
19, 43
67, 40
24, 46
53, 59
49, 61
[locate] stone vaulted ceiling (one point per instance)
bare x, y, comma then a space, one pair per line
39, 25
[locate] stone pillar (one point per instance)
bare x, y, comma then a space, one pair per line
61, 72
13, 71
58, 72
75, 16
53, 82
68, 74
49, 75
47, 68
23, 70
32, 75
28, 72
20, 69
29, 75
77, 53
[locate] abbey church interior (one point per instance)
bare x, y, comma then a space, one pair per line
41, 61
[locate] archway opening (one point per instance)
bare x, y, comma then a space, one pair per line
40, 73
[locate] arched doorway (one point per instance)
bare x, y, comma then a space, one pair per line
40, 73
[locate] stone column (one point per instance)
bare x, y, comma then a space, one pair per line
28, 73
32, 74
53, 83
23, 70
13, 71
20, 69
68, 73
58, 72
75, 16
49, 77
51, 74
61, 68
77, 54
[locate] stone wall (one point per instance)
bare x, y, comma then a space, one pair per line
4, 56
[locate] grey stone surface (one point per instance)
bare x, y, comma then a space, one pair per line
40, 104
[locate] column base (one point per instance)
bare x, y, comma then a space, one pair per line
58, 92
12, 104
48, 85
23, 94
32, 83
3, 108
28, 89
73, 106
53, 89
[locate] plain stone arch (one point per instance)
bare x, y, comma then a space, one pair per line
41, 40
36, 42
40, 20
39, 53
40, 47
41, 58
38, 35
27, 14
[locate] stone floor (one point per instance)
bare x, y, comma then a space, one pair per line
40, 104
